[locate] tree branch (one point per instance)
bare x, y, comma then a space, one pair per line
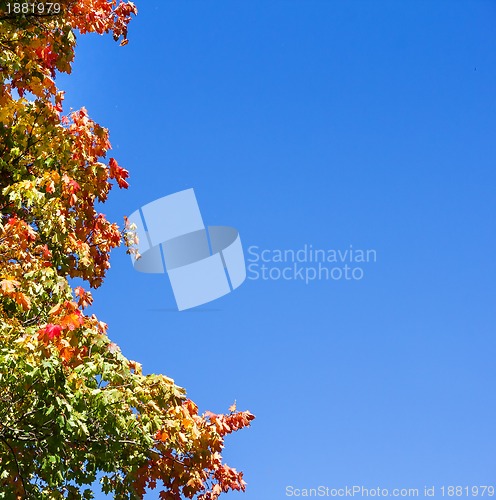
17, 465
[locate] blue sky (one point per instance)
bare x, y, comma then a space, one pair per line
328, 124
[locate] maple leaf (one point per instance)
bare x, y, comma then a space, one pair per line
113, 348
72, 321
118, 173
84, 298
46, 252
9, 286
51, 331
66, 353
22, 300
162, 436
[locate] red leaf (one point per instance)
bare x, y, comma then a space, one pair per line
118, 173
52, 331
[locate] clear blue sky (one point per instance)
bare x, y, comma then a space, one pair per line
327, 123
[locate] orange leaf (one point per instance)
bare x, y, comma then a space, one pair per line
72, 321
22, 300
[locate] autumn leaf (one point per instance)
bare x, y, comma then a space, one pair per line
118, 173
162, 435
72, 321
22, 300
8, 286
113, 348
84, 297
51, 331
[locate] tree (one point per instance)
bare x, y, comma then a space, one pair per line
72, 407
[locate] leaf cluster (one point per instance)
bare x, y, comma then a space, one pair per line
73, 408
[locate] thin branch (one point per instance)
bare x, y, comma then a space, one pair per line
17, 465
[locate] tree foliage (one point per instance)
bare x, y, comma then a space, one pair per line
72, 407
